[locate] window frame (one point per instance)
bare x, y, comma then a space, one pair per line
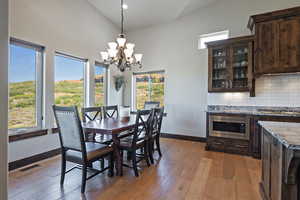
39, 81
133, 85
100, 64
209, 35
85, 73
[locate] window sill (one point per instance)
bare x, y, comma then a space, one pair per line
14, 136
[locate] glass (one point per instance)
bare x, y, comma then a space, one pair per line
100, 73
22, 88
149, 87
69, 81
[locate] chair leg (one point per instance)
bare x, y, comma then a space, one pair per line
111, 165
102, 163
150, 148
157, 139
146, 155
83, 181
63, 169
134, 163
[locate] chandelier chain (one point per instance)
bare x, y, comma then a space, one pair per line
122, 18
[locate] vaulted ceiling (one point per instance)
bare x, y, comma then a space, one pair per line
143, 13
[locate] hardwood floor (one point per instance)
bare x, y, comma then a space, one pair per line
185, 172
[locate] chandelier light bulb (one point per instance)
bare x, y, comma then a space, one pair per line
112, 45
104, 55
130, 46
121, 41
138, 57
128, 53
112, 53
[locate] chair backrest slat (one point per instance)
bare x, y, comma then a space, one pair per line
110, 111
141, 125
151, 104
156, 121
91, 113
70, 129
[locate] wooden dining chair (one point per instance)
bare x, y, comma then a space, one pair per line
75, 149
93, 114
155, 132
137, 141
151, 104
111, 111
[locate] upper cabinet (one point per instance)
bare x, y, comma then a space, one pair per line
276, 41
230, 65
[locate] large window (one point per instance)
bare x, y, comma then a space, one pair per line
25, 85
69, 80
148, 86
100, 84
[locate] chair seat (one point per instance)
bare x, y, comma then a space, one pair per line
94, 152
103, 138
126, 142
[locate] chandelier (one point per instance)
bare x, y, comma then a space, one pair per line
121, 53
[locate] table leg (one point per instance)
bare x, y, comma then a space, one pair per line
118, 157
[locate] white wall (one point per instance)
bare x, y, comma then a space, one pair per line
3, 94
173, 47
70, 26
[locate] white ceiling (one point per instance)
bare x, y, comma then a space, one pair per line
143, 13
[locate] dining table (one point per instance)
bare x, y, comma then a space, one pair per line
113, 127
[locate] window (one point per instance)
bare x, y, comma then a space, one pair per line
148, 86
25, 85
212, 37
69, 80
100, 84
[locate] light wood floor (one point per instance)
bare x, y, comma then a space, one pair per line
185, 172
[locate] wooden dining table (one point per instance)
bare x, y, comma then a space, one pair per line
113, 127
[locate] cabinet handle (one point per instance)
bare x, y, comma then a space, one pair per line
238, 145
217, 143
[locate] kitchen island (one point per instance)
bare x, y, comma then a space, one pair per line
280, 160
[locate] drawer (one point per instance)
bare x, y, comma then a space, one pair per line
240, 147
216, 144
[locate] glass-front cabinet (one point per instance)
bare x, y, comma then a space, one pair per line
230, 65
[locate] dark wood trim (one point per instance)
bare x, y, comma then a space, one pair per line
54, 130
27, 161
183, 137
27, 135
231, 41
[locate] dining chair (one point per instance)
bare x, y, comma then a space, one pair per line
110, 111
138, 141
94, 114
75, 149
155, 132
148, 105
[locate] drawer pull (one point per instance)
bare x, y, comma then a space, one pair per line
217, 143
241, 146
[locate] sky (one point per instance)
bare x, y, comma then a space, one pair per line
22, 66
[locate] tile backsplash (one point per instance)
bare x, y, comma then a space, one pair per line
275, 90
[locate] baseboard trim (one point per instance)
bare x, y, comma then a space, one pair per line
183, 137
32, 159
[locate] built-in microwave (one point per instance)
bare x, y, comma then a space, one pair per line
236, 127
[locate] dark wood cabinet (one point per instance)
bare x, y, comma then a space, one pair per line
276, 41
230, 65
271, 167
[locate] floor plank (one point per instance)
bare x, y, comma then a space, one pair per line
185, 172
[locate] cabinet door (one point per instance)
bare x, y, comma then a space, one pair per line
276, 169
219, 69
266, 163
289, 44
265, 47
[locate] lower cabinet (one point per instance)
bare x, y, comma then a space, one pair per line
271, 167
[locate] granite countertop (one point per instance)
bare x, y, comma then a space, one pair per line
287, 133
255, 110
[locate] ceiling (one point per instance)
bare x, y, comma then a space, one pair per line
143, 13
